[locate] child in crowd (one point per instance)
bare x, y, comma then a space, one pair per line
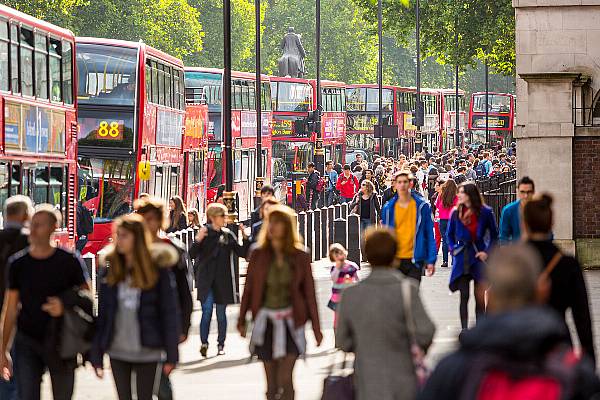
344, 273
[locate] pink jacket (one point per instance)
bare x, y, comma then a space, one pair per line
445, 213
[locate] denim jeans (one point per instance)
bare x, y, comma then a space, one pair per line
32, 363
345, 199
365, 223
207, 312
443, 228
329, 196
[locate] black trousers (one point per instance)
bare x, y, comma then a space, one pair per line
147, 378
408, 268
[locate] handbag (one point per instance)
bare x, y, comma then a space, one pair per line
78, 326
418, 355
338, 386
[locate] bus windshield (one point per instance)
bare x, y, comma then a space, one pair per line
497, 103
295, 155
106, 187
106, 74
291, 96
204, 87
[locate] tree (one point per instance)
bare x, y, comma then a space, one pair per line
348, 45
485, 29
242, 34
58, 12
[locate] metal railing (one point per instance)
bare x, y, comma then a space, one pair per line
498, 191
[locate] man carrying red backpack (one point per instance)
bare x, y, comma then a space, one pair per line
521, 351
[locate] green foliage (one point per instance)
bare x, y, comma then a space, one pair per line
485, 29
58, 12
348, 43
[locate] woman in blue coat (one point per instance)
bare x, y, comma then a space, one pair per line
472, 231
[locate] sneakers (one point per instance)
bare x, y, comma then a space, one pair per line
444, 265
203, 350
220, 350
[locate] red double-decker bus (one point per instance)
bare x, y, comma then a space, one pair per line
206, 84
405, 109
448, 118
333, 119
195, 148
362, 115
38, 121
501, 118
131, 119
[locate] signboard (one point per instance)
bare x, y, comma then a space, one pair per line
494, 122
248, 122
408, 125
34, 129
169, 128
288, 126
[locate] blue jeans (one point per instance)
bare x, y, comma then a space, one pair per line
207, 312
365, 223
345, 199
329, 196
443, 229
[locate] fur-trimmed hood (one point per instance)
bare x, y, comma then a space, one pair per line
163, 254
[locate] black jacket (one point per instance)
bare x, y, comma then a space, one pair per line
569, 291
387, 195
184, 287
312, 181
524, 337
158, 313
181, 224
12, 240
375, 207
216, 267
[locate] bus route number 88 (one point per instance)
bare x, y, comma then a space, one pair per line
109, 130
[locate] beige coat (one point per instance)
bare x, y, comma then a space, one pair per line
372, 324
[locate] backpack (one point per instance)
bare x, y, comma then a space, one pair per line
321, 185
501, 378
480, 170
85, 221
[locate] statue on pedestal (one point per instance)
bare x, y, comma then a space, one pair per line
292, 62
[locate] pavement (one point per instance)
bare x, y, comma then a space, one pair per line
234, 377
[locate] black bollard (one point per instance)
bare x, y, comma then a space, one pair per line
345, 210
354, 238
317, 228
324, 234
337, 211
339, 231
330, 219
308, 240
302, 225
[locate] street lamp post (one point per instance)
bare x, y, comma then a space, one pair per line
228, 195
380, 75
419, 108
457, 141
487, 111
258, 98
319, 150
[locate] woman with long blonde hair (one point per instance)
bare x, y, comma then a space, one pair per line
138, 324
280, 294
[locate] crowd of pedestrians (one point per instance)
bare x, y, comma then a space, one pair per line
410, 209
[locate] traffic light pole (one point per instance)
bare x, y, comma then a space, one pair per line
380, 75
228, 195
419, 109
260, 180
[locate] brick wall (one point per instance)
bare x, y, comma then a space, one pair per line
586, 187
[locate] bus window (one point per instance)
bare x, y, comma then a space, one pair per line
41, 63
215, 168
295, 97
3, 55
356, 99
107, 74
15, 179
58, 190
67, 72
14, 59
237, 166
40, 185
168, 87
174, 181
26, 62
55, 84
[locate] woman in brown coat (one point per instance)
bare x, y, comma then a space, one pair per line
280, 294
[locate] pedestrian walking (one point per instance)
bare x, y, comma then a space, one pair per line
471, 234
375, 321
567, 285
38, 278
13, 238
437, 189
409, 215
153, 212
330, 190
366, 205
344, 274
216, 272
177, 215
263, 210
266, 192
521, 350
84, 226
510, 218
138, 312
347, 185
280, 294
444, 204
313, 186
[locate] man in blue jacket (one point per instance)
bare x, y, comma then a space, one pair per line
510, 219
409, 215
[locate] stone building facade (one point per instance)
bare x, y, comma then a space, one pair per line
558, 115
